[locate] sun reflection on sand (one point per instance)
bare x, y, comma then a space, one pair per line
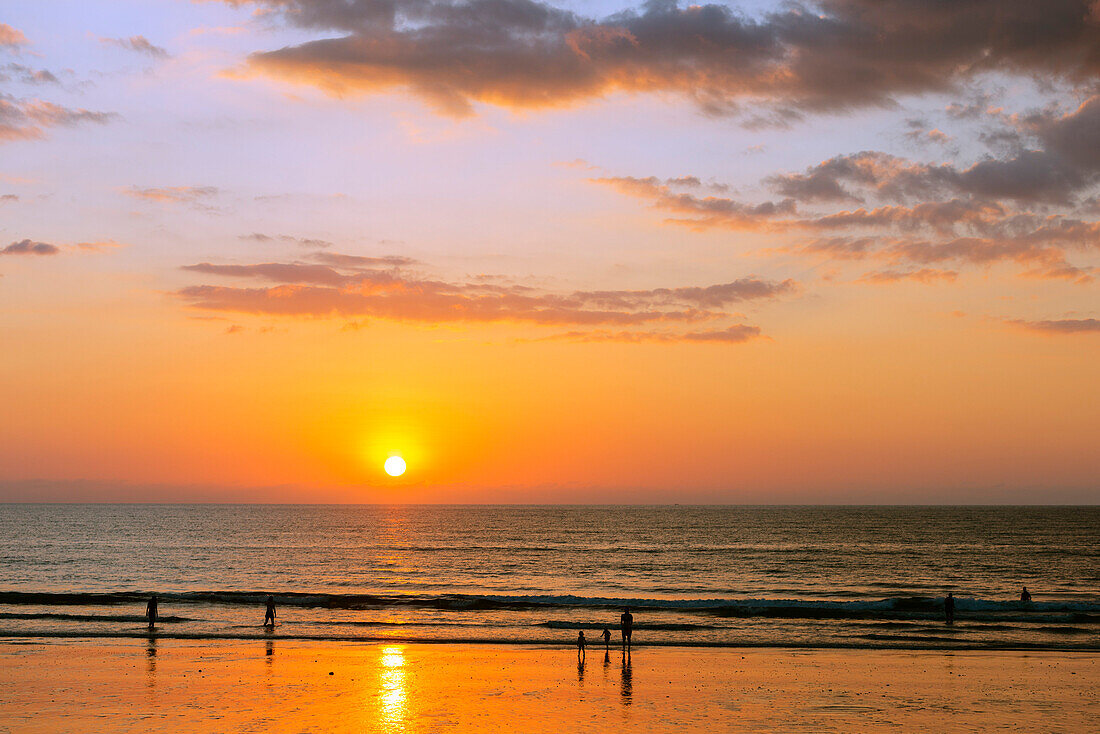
392, 692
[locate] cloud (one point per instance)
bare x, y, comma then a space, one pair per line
28, 75
138, 44
702, 212
277, 272
353, 287
832, 55
1061, 326
98, 246
358, 261
11, 38
924, 275
736, 334
194, 195
29, 247
7, 198
27, 119
1023, 207
300, 241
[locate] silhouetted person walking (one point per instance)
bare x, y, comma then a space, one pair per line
581, 644
627, 622
151, 611
269, 614
606, 635
949, 608
1025, 595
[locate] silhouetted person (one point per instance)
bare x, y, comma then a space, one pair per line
151, 611
949, 608
269, 614
581, 644
606, 635
627, 623
1025, 595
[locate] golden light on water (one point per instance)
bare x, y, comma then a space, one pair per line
395, 466
392, 694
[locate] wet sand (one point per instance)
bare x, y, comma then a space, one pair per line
287, 686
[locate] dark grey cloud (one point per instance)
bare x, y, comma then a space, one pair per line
29, 247
27, 75
829, 55
1025, 206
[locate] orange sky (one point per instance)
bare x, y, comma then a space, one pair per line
220, 281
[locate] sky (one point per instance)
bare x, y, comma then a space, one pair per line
821, 252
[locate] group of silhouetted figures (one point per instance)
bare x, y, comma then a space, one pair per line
626, 625
626, 619
269, 612
949, 604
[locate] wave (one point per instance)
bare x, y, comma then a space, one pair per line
900, 608
92, 617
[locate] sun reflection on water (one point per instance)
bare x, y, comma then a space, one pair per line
392, 693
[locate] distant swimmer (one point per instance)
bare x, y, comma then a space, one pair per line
581, 644
606, 635
1025, 595
151, 611
949, 608
627, 622
269, 615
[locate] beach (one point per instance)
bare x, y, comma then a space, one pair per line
293, 686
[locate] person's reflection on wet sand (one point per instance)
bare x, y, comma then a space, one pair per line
627, 687
151, 663
269, 651
580, 670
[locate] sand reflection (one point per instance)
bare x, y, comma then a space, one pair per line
627, 690
151, 663
392, 693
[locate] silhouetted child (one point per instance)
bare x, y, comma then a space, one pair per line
1025, 595
606, 635
269, 615
151, 611
949, 608
581, 643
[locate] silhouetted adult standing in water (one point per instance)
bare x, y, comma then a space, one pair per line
269, 614
151, 611
627, 622
949, 608
1025, 595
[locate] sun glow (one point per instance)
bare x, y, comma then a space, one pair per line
395, 466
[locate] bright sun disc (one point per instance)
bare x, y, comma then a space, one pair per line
395, 466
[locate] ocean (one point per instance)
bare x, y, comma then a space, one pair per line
831, 577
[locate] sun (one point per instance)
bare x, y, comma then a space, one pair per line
395, 466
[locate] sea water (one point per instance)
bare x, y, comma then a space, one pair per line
708, 576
